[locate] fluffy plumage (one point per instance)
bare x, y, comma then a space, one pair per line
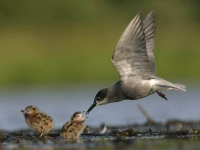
38, 121
73, 128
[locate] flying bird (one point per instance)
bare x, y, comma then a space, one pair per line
134, 60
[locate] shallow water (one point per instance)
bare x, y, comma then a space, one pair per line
101, 142
61, 102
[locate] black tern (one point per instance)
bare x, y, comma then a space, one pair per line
134, 60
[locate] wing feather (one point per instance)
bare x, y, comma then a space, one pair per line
149, 31
130, 56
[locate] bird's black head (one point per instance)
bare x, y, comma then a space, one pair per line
100, 99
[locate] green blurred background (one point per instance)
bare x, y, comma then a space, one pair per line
59, 42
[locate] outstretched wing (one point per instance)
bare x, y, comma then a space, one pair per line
130, 56
149, 32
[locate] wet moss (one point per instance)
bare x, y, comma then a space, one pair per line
128, 132
114, 138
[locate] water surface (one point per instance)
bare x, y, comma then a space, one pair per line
61, 102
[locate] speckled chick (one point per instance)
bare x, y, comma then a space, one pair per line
38, 121
73, 128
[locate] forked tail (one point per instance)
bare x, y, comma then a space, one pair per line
180, 87
172, 86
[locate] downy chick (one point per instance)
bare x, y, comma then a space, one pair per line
38, 121
74, 127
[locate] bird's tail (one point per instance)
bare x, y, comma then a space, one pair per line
166, 85
172, 86
180, 87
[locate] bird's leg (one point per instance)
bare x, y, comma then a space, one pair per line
162, 95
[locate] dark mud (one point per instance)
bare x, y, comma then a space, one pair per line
149, 135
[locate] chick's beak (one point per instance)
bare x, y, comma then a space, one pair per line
91, 107
22, 110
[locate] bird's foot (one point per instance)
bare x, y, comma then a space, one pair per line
162, 95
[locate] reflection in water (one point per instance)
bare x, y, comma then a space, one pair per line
61, 103
120, 144
45, 148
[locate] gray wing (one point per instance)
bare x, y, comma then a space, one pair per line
149, 31
130, 56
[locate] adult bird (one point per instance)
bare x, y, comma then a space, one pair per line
134, 60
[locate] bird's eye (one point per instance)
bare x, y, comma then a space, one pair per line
98, 98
